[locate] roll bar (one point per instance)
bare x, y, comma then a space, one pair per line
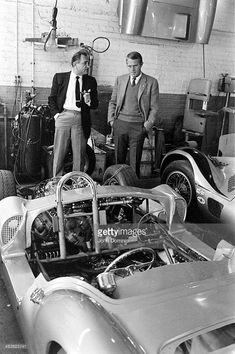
74, 176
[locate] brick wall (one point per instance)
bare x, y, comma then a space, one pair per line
172, 63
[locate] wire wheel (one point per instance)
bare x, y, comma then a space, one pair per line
181, 184
179, 176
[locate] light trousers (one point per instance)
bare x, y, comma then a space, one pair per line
68, 128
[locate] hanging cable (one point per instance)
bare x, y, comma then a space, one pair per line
203, 61
91, 49
52, 34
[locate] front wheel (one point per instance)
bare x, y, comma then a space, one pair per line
179, 176
121, 175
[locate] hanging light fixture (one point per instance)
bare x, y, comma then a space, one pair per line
50, 40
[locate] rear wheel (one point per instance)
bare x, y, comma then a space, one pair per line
179, 176
7, 184
122, 175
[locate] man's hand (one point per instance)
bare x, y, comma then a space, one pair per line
87, 97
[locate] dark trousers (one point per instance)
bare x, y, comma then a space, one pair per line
68, 127
129, 135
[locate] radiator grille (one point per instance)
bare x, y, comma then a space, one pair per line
215, 208
10, 227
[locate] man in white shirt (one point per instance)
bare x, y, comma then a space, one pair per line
72, 96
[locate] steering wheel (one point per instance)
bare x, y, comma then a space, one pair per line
133, 267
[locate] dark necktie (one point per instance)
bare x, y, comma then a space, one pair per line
133, 81
77, 92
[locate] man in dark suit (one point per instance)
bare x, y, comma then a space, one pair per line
133, 110
72, 96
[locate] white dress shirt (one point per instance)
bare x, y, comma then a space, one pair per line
137, 79
70, 101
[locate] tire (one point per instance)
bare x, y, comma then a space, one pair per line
90, 160
122, 175
7, 184
179, 176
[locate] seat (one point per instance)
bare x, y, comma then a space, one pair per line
195, 112
227, 132
226, 145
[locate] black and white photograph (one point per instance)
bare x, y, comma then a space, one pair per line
117, 177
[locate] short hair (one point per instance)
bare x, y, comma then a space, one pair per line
135, 55
77, 55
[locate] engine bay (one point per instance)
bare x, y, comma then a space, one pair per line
137, 249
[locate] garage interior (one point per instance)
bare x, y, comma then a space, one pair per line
188, 46
43, 43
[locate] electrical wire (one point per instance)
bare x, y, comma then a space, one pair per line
53, 24
203, 61
91, 48
16, 95
102, 51
47, 39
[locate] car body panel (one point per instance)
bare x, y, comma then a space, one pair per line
74, 313
84, 324
207, 174
36, 206
214, 184
149, 318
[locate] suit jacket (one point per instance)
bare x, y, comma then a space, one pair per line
148, 97
58, 94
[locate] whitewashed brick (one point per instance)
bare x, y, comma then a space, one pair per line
172, 63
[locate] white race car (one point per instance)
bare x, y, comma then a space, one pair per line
84, 270
205, 182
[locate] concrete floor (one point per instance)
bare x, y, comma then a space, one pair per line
11, 341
